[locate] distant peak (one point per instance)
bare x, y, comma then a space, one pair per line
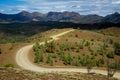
116, 13
24, 12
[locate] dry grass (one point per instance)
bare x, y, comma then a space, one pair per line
16, 74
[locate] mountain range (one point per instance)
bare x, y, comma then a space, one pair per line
66, 16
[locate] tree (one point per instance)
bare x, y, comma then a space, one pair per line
111, 68
89, 65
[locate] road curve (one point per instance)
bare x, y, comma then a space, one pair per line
23, 61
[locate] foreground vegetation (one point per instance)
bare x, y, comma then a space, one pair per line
16, 74
70, 54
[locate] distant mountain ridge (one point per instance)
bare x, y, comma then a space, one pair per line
59, 16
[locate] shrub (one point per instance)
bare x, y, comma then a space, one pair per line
77, 62
104, 46
36, 59
54, 55
87, 43
50, 47
62, 55
76, 35
101, 51
78, 28
84, 60
92, 39
9, 65
77, 49
117, 48
62, 47
65, 60
41, 58
48, 58
110, 41
110, 54
100, 62
68, 59
51, 62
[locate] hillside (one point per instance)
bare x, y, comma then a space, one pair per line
75, 48
20, 32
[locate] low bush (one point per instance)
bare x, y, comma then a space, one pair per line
111, 54
117, 48
9, 65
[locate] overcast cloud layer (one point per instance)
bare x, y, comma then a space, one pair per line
101, 7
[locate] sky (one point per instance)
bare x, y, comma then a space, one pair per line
84, 7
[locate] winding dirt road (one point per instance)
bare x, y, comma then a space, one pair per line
23, 61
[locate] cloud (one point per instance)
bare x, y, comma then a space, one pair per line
116, 2
101, 7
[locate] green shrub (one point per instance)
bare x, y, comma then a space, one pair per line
101, 51
9, 65
110, 54
65, 60
117, 48
81, 46
87, 43
41, 58
68, 59
54, 55
77, 62
48, 58
84, 60
51, 62
104, 46
36, 59
100, 62
62, 47
62, 55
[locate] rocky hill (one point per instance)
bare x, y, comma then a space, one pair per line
66, 16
